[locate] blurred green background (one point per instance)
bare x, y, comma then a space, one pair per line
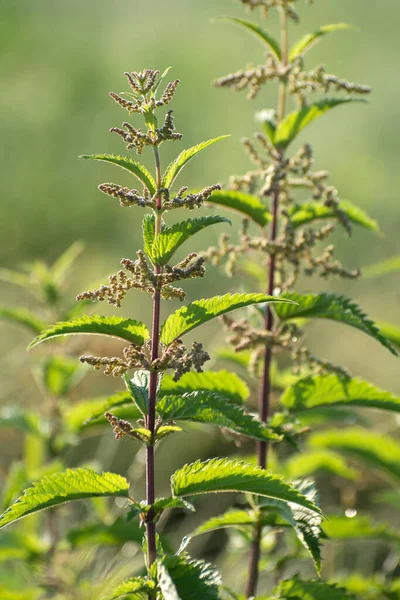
59, 59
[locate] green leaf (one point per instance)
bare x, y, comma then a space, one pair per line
308, 212
17, 278
291, 126
62, 265
23, 316
129, 165
170, 239
345, 528
213, 408
226, 383
245, 204
192, 579
59, 374
319, 461
335, 308
129, 330
78, 416
310, 39
136, 588
332, 389
385, 267
148, 228
191, 316
73, 484
100, 534
391, 332
379, 451
138, 387
223, 475
27, 594
162, 504
181, 161
266, 39
232, 518
306, 524
296, 589
268, 118
167, 586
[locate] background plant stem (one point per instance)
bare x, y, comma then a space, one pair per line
265, 392
151, 418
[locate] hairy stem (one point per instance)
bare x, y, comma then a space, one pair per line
265, 392
151, 418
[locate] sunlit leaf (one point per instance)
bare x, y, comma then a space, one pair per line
335, 390
310, 39
192, 579
188, 317
181, 161
316, 462
267, 40
296, 589
64, 262
359, 527
332, 307
24, 317
129, 165
385, 267
223, 475
73, 484
247, 205
226, 383
296, 121
129, 330
308, 212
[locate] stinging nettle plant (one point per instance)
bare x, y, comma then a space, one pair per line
284, 200
158, 401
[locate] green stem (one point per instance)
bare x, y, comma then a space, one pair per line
265, 392
151, 417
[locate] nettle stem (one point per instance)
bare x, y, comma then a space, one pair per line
265, 392
151, 418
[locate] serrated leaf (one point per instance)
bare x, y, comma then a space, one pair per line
296, 589
59, 374
391, 332
310, 39
296, 121
245, 204
162, 504
345, 528
319, 461
23, 316
167, 586
138, 387
136, 588
232, 518
267, 40
176, 166
384, 267
226, 383
129, 330
305, 522
170, 239
332, 307
191, 316
64, 262
379, 451
100, 534
192, 579
73, 484
223, 475
308, 212
148, 229
213, 408
130, 165
332, 389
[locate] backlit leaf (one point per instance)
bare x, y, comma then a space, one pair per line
267, 40
308, 212
181, 161
129, 165
330, 306
226, 383
191, 316
73, 484
129, 330
23, 316
310, 39
245, 204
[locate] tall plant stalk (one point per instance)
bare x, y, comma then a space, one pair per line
265, 390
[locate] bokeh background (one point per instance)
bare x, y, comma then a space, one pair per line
59, 60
